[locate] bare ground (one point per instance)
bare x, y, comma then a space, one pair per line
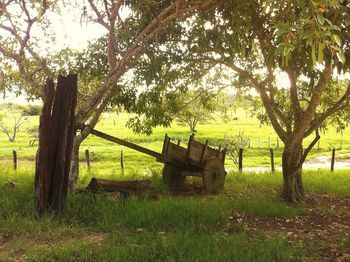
324, 228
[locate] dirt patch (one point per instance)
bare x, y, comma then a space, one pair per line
325, 227
12, 254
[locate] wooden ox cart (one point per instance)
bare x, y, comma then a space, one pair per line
197, 159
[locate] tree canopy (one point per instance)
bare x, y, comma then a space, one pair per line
255, 43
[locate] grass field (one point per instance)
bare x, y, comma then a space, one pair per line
105, 155
246, 222
192, 226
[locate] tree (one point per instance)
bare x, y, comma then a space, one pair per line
127, 39
195, 107
253, 43
19, 119
11, 132
234, 144
307, 41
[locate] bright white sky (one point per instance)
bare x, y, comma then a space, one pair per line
72, 34
69, 33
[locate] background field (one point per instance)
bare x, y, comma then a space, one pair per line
105, 156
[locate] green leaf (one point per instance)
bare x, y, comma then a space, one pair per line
347, 20
242, 51
313, 54
320, 19
341, 57
337, 39
286, 50
320, 53
328, 21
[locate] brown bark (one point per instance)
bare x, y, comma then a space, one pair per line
57, 130
293, 188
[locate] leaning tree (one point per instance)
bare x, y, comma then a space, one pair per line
256, 43
130, 27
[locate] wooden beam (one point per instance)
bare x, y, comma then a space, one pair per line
128, 144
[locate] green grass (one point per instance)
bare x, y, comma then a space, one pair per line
173, 247
265, 206
105, 156
170, 229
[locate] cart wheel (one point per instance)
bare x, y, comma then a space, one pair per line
214, 175
172, 177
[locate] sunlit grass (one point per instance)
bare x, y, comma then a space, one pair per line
169, 229
107, 154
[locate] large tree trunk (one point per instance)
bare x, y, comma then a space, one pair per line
293, 188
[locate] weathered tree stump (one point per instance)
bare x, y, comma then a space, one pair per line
57, 130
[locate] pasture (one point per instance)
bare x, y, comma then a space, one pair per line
105, 156
246, 222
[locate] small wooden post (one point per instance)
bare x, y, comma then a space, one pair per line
87, 156
272, 160
178, 142
268, 142
248, 142
333, 158
240, 160
14, 153
122, 161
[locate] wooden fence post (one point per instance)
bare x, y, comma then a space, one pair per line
87, 156
333, 158
122, 161
272, 160
14, 153
240, 160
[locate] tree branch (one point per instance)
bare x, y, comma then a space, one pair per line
306, 152
100, 19
297, 111
168, 15
270, 109
340, 104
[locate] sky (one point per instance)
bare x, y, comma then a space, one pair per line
69, 33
